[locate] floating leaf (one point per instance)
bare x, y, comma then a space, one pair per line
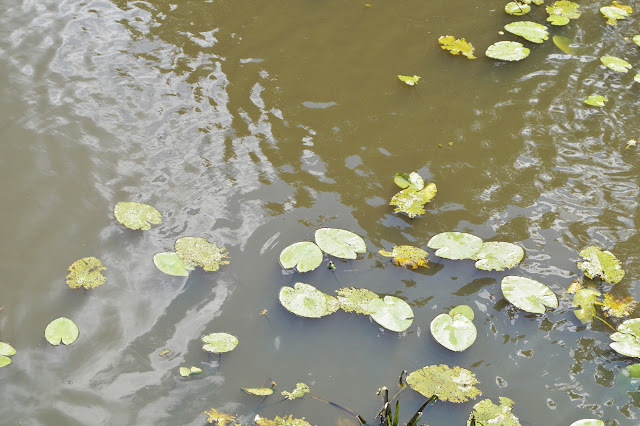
516, 8
282, 421
626, 340
306, 301
616, 64
258, 391
300, 391
457, 46
637, 78
61, 330
527, 294
596, 100
199, 252
408, 256
412, 180
411, 81
136, 215
487, 413
628, 379
450, 384
588, 422
575, 286
340, 242
564, 44
411, 202
455, 245
601, 264
462, 310
187, 371
171, 264
528, 30
498, 256
636, 39
356, 300
507, 51
392, 313
6, 350
221, 419
85, 273
305, 256
454, 331
618, 307
562, 11
218, 343
585, 299
615, 12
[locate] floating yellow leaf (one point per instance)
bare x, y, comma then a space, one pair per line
407, 256
575, 286
618, 307
221, 419
164, 352
615, 11
85, 273
457, 46
411, 81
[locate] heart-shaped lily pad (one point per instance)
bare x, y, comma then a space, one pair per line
340, 242
615, 64
306, 301
86, 273
304, 255
356, 299
137, 215
61, 330
6, 350
218, 343
602, 264
258, 391
412, 180
486, 412
171, 264
498, 256
200, 252
188, 371
531, 31
454, 332
527, 294
454, 384
455, 245
507, 51
626, 340
392, 313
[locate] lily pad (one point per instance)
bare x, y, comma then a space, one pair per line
304, 255
601, 264
487, 413
188, 371
457, 46
455, 245
507, 51
306, 301
618, 307
408, 80
626, 340
282, 421
616, 64
588, 422
615, 12
462, 310
85, 273
258, 391
300, 391
455, 332
61, 330
218, 343
560, 12
498, 256
411, 202
628, 379
412, 180
219, 418
199, 252
392, 313
596, 100
137, 215
564, 44
6, 350
171, 264
408, 256
517, 9
637, 78
340, 242
531, 31
450, 384
527, 294
585, 299
356, 300
636, 39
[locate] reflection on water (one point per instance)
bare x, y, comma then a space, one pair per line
254, 124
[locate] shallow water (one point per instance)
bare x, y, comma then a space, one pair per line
252, 124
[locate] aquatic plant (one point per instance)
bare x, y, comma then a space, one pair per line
601, 264
305, 256
527, 294
407, 256
198, 251
188, 371
340, 242
408, 80
136, 215
86, 273
414, 195
218, 343
457, 46
171, 264
507, 51
61, 330
455, 330
6, 350
488, 413
450, 384
528, 30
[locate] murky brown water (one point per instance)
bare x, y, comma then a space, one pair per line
254, 123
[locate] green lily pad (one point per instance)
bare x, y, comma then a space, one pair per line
585, 299
527, 294
411, 202
531, 31
85, 273
637, 78
636, 39
187, 371
498, 256
615, 12
219, 418
4, 361
412, 180
282, 421
456, 46
340, 242
392, 313
616, 64
588, 422
507, 51
558, 20
61, 330
454, 331
455, 245
517, 9
218, 343
487, 413
562, 11
407, 256
306, 301
171, 264
596, 100
356, 300
564, 44
626, 340
6, 350
304, 255
462, 310
137, 215
450, 384
300, 391
628, 379
198, 251
408, 80
258, 391
601, 264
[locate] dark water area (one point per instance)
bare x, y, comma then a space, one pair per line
252, 124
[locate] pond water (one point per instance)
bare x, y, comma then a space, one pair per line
255, 123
